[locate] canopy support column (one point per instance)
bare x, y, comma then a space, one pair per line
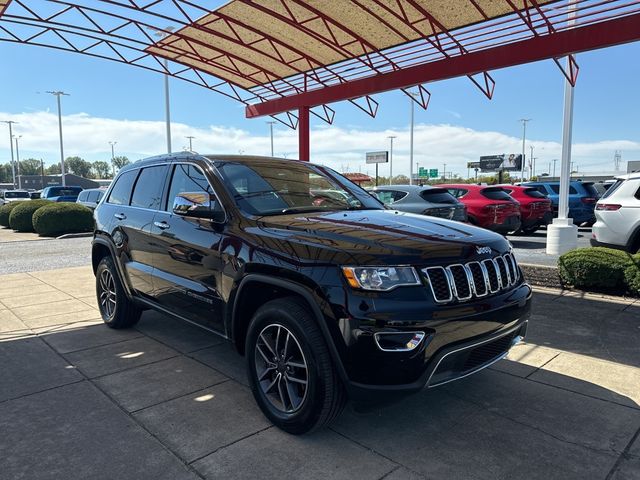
303, 134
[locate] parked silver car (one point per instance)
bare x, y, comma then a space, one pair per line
432, 201
90, 197
8, 196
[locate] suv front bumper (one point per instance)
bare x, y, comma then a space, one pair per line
452, 350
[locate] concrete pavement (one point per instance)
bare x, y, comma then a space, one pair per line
168, 400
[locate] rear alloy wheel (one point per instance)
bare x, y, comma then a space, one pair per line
290, 370
116, 309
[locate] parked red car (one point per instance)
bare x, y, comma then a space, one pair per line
536, 209
488, 207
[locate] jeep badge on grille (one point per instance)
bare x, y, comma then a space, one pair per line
482, 250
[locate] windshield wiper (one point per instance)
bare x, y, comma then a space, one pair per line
301, 209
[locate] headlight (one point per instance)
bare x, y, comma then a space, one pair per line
380, 278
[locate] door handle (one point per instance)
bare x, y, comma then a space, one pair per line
162, 225
120, 216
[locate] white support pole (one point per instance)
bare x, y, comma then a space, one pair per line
562, 234
411, 102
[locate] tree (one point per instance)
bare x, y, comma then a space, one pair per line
401, 180
53, 169
30, 166
5, 173
78, 166
101, 169
120, 162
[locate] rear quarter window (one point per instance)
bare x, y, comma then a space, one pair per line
495, 194
590, 189
121, 192
437, 195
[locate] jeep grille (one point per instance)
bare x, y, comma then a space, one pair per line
462, 282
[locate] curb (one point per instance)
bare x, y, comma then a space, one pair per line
542, 275
75, 235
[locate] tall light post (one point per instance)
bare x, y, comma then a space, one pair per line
190, 137
17, 137
391, 137
113, 158
58, 94
444, 171
524, 136
531, 163
554, 167
167, 109
13, 166
271, 123
411, 122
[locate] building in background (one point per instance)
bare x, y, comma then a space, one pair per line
38, 182
633, 166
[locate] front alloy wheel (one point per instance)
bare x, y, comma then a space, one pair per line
281, 367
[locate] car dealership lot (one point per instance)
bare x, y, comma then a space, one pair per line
168, 400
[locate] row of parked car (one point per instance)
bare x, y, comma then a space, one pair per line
88, 197
502, 208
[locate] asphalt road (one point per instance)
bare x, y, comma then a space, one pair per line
36, 255
531, 249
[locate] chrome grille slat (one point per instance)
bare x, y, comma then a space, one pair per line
476, 279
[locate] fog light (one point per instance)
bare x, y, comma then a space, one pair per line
398, 341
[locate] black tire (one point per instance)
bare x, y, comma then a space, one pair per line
323, 398
116, 309
529, 230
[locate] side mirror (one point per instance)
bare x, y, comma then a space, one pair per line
198, 205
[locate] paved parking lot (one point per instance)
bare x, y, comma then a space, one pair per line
169, 401
532, 249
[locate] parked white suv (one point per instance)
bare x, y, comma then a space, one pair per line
9, 196
618, 215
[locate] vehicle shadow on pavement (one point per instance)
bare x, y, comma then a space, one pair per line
170, 401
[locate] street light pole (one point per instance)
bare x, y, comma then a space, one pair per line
391, 137
58, 94
411, 102
13, 166
271, 133
167, 109
18, 160
554, 167
190, 137
113, 156
531, 163
444, 171
524, 136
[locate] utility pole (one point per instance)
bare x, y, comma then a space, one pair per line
113, 156
554, 167
18, 161
13, 165
531, 163
418, 173
524, 136
271, 123
391, 137
58, 94
190, 137
444, 171
42, 172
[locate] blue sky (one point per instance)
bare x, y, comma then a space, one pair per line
606, 109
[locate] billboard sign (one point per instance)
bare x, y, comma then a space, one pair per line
473, 164
493, 163
377, 157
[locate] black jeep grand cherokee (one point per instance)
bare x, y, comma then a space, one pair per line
325, 291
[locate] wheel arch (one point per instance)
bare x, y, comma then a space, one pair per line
100, 248
257, 288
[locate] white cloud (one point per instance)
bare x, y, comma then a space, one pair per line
340, 148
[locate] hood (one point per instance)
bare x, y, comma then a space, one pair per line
380, 237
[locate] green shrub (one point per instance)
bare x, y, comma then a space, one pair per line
594, 267
5, 210
60, 218
632, 275
20, 216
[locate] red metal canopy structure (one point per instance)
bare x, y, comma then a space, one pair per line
290, 58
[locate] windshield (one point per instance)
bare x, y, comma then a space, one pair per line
63, 192
16, 194
280, 187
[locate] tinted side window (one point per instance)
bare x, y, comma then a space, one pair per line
121, 192
186, 178
572, 190
148, 190
495, 194
555, 188
384, 196
437, 195
534, 193
83, 197
591, 190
